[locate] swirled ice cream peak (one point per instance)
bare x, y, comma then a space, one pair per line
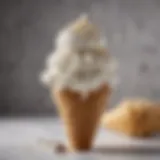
80, 60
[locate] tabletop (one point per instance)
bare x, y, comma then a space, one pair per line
23, 139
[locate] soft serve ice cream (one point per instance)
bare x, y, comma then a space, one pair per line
80, 60
79, 74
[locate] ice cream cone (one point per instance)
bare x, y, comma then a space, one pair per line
80, 64
81, 115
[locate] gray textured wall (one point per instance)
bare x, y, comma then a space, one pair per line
26, 32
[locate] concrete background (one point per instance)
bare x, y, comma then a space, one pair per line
27, 31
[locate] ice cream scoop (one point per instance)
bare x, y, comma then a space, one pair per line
80, 60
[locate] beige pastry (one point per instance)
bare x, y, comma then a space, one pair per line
134, 117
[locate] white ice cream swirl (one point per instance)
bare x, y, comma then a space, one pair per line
80, 60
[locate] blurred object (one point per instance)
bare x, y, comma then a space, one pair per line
55, 146
60, 148
137, 117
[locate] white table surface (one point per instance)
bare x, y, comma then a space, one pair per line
20, 140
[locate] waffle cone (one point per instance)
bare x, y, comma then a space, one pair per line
81, 115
